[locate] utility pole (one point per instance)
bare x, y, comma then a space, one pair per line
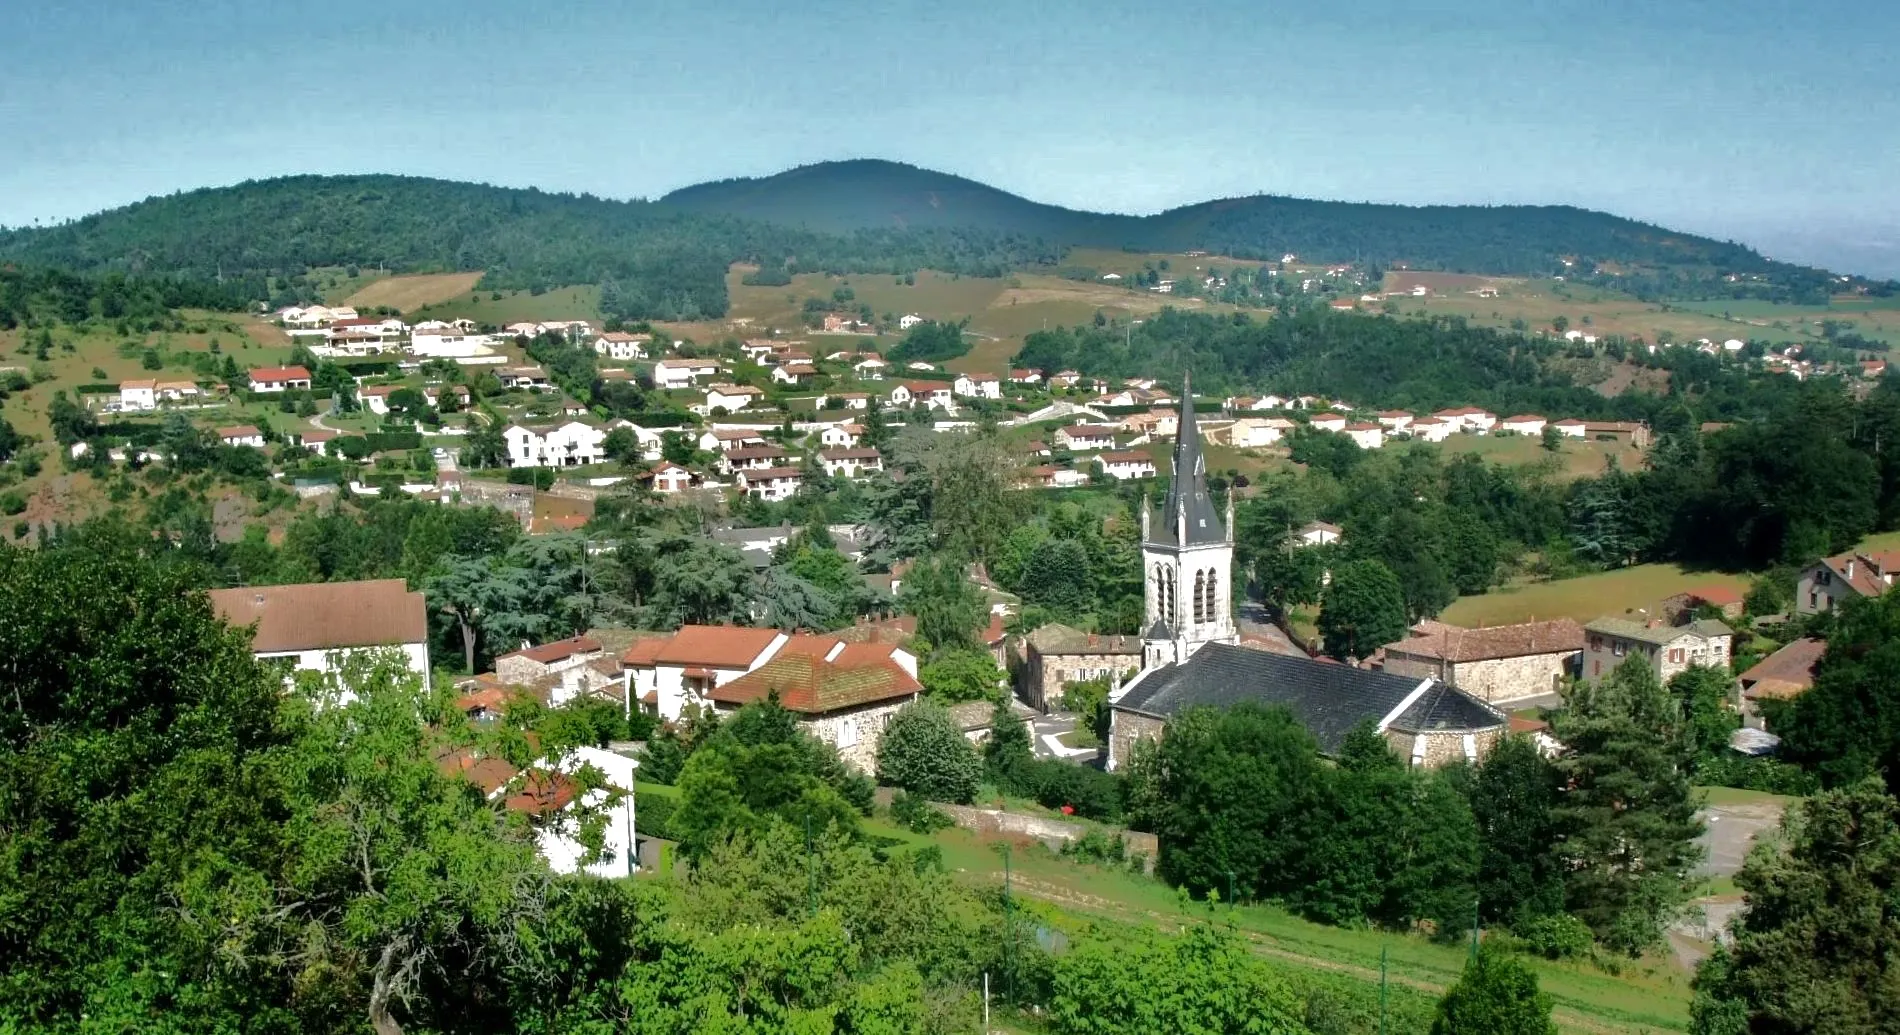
1382, 952
1009, 927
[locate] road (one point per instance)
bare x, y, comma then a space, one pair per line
1728, 832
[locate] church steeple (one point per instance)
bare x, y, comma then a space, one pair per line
1190, 517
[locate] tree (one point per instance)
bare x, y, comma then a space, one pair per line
925, 752
1007, 754
1552, 439
949, 608
1512, 795
1847, 726
1627, 812
1702, 694
484, 446
1496, 995
9, 440
961, 674
1056, 575
1362, 610
1815, 951
480, 597
621, 446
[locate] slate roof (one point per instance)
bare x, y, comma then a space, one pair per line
1056, 638
1187, 492
1328, 699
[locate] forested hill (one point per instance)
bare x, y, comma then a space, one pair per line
667, 259
651, 260
1507, 239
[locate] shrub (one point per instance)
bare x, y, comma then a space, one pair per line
1090, 793
1096, 846
653, 816
1558, 936
917, 815
925, 752
12, 502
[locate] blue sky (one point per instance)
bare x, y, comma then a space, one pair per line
1747, 119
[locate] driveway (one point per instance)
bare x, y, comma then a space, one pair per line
1044, 731
1728, 832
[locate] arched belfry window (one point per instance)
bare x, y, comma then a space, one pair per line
1213, 595
1200, 597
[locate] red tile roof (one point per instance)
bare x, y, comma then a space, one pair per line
271, 375
813, 686
715, 646
549, 653
1786, 672
1431, 639
326, 615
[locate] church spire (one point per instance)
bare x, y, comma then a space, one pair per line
1190, 514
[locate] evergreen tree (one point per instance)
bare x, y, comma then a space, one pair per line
1627, 812
925, 752
1512, 797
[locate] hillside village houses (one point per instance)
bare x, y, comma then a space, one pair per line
623, 346
1498, 664
682, 373
978, 386
934, 394
241, 435
448, 342
1824, 585
279, 379
731, 398
1123, 466
570, 444
771, 484
1668, 649
317, 627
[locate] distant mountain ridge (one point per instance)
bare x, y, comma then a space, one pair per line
667, 259
837, 197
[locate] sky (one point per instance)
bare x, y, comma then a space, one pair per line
1771, 123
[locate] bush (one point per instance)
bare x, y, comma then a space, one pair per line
540, 477
653, 816
1090, 793
664, 757
1556, 937
917, 815
926, 753
12, 502
1768, 775
1097, 847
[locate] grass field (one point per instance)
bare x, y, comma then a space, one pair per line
414, 291
1577, 459
576, 302
1610, 593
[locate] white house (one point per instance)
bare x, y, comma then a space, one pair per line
839, 436
1523, 424
279, 379
1025, 377
1082, 437
1126, 465
651, 443
935, 395
670, 478
620, 345
523, 377
138, 395
909, 320
241, 435
571, 444
869, 368
1365, 435
725, 440
732, 397
558, 840
978, 386
681, 373
853, 400
666, 675
1431, 429
447, 342
1328, 422
771, 484
375, 398
319, 624
1319, 533
793, 373
1571, 427
850, 463
1395, 421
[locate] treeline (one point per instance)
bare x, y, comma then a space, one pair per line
40, 296
651, 261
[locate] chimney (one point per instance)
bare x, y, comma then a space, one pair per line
1850, 568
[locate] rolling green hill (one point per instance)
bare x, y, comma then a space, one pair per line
837, 197
667, 259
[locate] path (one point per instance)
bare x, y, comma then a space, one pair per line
1728, 832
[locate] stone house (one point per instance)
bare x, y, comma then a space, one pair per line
1057, 655
561, 670
1669, 649
1425, 721
1496, 664
844, 694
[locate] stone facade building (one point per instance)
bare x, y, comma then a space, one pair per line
1500, 663
1669, 649
1057, 655
844, 694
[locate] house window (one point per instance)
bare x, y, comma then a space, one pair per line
1619, 648
848, 733
1676, 655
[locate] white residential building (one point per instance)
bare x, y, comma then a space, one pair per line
620, 345
978, 386
1365, 436
1125, 465
732, 398
571, 444
138, 395
448, 342
319, 625
1328, 422
771, 484
682, 373
1431, 429
1523, 424
850, 463
1572, 428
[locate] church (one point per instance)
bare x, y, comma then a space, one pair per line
1191, 654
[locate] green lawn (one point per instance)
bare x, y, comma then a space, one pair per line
1734, 796
1585, 597
580, 302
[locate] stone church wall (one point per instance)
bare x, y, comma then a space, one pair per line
1125, 730
1441, 748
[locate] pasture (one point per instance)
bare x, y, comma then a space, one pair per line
575, 302
1611, 593
413, 291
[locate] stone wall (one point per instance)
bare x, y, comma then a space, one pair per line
1442, 748
1046, 674
1125, 730
519, 671
1051, 832
1511, 679
856, 733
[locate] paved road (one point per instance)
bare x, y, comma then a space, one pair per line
1043, 733
1728, 832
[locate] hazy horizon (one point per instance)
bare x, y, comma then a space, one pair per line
1738, 121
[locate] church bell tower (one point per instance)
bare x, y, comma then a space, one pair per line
1187, 557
